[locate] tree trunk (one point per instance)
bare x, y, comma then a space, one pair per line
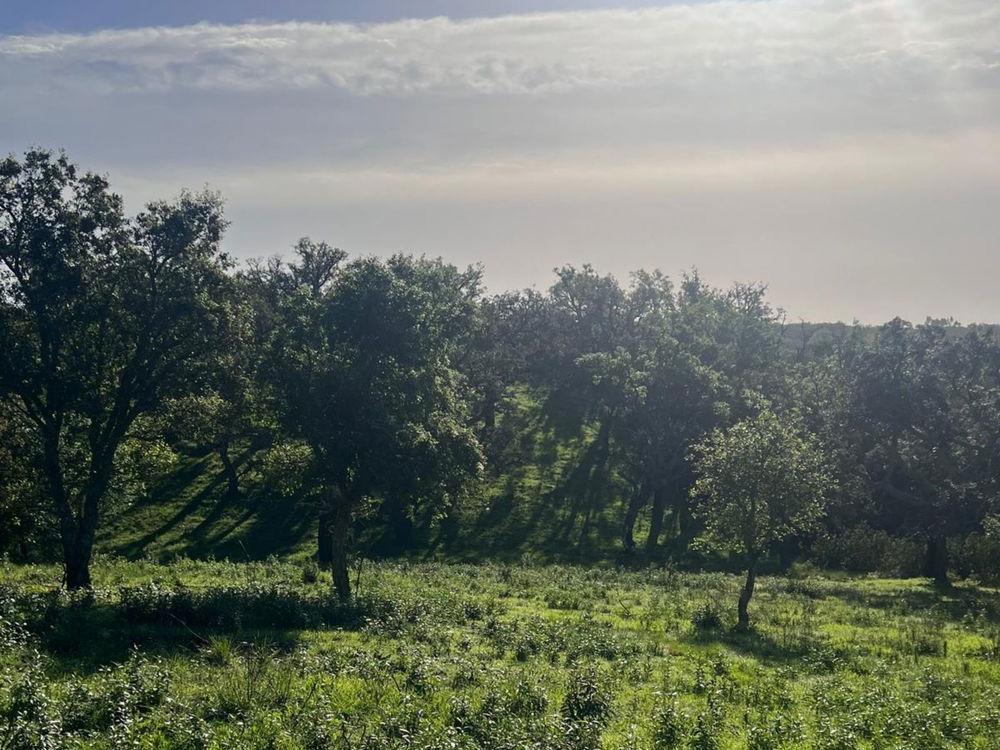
76, 531
78, 543
631, 515
229, 472
77, 564
743, 618
341, 537
683, 527
936, 561
656, 522
450, 524
324, 539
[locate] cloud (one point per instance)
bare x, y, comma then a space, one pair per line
776, 43
439, 92
833, 147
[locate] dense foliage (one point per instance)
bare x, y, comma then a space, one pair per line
393, 403
759, 483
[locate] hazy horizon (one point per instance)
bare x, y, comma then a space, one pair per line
843, 153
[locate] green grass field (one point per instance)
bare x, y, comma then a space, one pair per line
435, 655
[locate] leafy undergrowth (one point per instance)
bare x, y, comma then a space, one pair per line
258, 655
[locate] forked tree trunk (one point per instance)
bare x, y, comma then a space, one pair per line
76, 558
743, 618
78, 545
936, 561
77, 529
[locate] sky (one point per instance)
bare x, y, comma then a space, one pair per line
844, 152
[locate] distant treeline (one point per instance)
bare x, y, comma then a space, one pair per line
368, 386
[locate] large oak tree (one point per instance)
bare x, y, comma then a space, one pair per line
362, 372
101, 317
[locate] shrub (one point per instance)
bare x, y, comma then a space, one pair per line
258, 679
252, 605
310, 572
587, 698
707, 616
978, 555
862, 549
670, 725
29, 718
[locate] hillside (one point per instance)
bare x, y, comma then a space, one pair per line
564, 503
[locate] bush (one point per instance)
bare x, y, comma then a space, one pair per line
978, 556
670, 725
586, 698
253, 605
707, 616
310, 572
862, 549
29, 718
118, 698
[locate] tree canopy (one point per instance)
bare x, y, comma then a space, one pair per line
395, 397
101, 317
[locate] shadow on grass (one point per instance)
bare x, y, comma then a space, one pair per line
83, 634
246, 528
94, 643
758, 644
179, 484
956, 603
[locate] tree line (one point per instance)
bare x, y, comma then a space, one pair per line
387, 385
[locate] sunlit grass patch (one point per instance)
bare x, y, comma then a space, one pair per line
216, 654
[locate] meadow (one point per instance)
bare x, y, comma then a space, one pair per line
442, 655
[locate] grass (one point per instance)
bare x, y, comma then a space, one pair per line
435, 655
558, 498
188, 515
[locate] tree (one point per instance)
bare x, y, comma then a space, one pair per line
584, 364
361, 371
759, 482
925, 402
693, 351
506, 332
101, 318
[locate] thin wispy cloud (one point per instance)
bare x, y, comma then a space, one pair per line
787, 130
767, 44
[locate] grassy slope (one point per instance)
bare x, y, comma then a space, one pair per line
563, 502
187, 514
483, 656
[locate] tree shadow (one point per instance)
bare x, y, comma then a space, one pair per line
176, 484
83, 640
758, 644
82, 635
957, 603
